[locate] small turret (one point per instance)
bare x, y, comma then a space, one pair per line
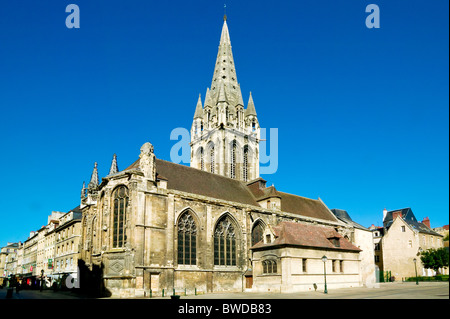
93, 184
250, 107
114, 168
199, 109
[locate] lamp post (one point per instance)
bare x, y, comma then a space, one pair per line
324, 259
415, 267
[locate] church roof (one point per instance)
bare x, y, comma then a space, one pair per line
314, 208
192, 180
345, 217
305, 235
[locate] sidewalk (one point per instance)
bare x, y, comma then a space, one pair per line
45, 294
396, 290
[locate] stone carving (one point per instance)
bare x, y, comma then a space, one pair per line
147, 161
116, 266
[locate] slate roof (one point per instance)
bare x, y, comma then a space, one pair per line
191, 180
410, 219
342, 215
304, 235
305, 206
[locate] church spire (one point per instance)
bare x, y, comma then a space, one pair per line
114, 168
199, 108
225, 119
225, 36
83, 191
225, 71
94, 178
250, 107
208, 101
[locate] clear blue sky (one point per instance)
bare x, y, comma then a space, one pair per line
362, 114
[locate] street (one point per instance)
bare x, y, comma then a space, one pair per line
401, 290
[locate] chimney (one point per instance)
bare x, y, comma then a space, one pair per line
396, 214
426, 222
384, 213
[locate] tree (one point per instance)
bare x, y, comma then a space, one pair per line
434, 258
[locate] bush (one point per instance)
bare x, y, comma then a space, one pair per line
435, 278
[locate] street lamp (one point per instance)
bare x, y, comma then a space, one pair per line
324, 259
415, 267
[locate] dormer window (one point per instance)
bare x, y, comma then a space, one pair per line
268, 239
335, 241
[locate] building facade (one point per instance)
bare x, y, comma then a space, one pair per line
8, 260
400, 241
65, 248
158, 226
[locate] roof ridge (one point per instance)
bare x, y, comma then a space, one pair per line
316, 200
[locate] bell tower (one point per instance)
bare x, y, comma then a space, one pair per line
224, 134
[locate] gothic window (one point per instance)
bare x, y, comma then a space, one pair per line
187, 240
120, 197
225, 252
212, 159
202, 159
257, 232
245, 166
233, 160
269, 266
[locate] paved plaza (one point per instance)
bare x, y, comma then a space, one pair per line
402, 290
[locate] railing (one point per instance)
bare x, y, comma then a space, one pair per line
172, 292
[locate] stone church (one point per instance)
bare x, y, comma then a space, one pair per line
156, 226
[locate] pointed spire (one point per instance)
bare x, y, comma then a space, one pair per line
199, 108
94, 178
250, 107
240, 99
114, 168
222, 97
83, 190
224, 69
208, 101
225, 36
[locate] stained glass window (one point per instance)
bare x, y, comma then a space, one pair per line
257, 232
120, 197
212, 159
187, 240
202, 159
225, 247
245, 167
233, 160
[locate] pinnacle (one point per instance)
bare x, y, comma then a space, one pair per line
199, 108
114, 168
250, 106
